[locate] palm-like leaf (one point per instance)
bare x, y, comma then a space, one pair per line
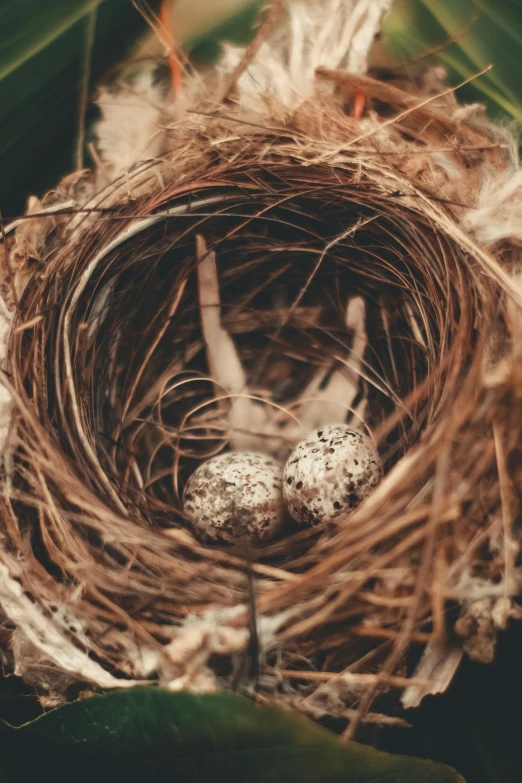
466, 36
42, 53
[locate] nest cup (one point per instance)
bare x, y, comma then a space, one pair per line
116, 405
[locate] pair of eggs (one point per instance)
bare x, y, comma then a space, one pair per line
245, 496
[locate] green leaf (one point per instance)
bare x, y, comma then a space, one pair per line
42, 55
466, 36
46, 23
151, 735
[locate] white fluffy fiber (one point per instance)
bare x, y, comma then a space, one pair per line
497, 215
132, 127
335, 34
330, 33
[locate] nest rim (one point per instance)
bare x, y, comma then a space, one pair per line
408, 502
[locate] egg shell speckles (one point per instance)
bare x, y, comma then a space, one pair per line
236, 497
329, 473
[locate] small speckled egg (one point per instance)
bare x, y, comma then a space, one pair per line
236, 498
329, 473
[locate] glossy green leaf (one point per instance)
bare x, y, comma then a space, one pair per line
466, 36
151, 735
42, 55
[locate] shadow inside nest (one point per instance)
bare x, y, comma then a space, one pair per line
291, 254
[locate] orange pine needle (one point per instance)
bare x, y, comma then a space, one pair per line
360, 103
175, 67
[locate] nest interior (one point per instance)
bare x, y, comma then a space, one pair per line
116, 404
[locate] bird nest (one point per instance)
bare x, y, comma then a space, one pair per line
254, 284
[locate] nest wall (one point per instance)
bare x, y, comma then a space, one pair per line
115, 404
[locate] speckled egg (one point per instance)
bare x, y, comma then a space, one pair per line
329, 473
236, 498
